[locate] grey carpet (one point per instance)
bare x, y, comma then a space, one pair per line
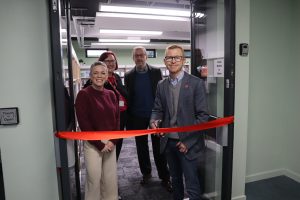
277, 188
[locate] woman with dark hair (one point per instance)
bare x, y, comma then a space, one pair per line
115, 84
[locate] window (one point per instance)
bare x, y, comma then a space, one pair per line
151, 53
187, 53
94, 53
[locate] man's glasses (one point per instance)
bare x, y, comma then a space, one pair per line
109, 61
175, 58
139, 55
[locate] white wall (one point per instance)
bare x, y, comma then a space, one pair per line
27, 149
293, 147
241, 101
273, 134
267, 94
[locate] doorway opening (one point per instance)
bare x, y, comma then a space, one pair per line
203, 35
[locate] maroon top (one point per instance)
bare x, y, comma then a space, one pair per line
97, 111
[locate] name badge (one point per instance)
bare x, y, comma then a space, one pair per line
121, 103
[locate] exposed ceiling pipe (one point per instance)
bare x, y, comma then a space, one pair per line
183, 3
79, 26
76, 30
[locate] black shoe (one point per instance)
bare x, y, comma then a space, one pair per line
167, 185
145, 179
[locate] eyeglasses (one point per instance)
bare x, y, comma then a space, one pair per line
109, 61
175, 58
139, 55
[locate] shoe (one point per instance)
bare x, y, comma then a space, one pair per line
167, 184
145, 179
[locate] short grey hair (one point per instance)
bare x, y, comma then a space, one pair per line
97, 63
139, 47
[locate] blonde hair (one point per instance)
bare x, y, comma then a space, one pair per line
174, 46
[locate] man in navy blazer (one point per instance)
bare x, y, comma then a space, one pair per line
180, 101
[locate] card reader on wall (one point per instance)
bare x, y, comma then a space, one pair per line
244, 49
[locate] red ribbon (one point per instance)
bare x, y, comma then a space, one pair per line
108, 135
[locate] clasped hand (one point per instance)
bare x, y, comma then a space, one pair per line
181, 147
109, 146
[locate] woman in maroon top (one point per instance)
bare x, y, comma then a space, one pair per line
97, 109
115, 84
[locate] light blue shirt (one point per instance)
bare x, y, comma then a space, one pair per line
177, 79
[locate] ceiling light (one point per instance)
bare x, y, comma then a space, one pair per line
140, 10
124, 40
141, 16
119, 44
199, 15
152, 45
131, 32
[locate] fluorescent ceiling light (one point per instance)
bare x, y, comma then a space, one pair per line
119, 44
199, 15
131, 32
141, 16
94, 53
150, 45
124, 40
139, 10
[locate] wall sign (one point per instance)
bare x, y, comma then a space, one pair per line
219, 68
9, 116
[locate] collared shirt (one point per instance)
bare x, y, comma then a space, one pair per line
177, 79
142, 70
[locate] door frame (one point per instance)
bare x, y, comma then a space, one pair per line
229, 87
58, 91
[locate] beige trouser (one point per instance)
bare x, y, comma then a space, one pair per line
101, 174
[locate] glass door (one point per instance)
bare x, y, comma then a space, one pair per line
213, 61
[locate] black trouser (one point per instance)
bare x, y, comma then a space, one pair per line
123, 122
139, 123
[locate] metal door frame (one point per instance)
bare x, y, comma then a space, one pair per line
229, 84
59, 95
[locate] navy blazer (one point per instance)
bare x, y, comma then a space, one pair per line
155, 76
192, 109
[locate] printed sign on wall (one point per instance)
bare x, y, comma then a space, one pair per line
9, 116
219, 68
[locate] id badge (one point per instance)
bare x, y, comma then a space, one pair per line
121, 103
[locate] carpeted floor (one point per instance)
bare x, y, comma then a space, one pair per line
277, 188
129, 176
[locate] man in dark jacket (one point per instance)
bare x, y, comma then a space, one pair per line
141, 84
